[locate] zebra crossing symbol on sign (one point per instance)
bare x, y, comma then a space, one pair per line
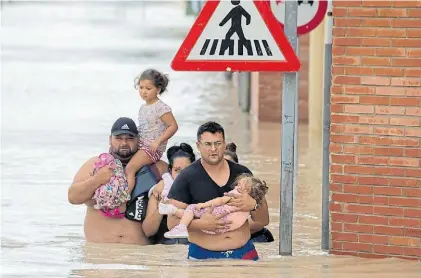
236, 36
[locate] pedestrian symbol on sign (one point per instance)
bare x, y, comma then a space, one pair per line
236, 15
236, 35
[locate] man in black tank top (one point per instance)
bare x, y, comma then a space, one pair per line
208, 178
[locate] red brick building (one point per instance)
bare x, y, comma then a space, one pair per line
266, 90
375, 146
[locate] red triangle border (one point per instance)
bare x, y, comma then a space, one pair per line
291, 63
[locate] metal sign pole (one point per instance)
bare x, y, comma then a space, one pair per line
296, 167
326, 129
289, 97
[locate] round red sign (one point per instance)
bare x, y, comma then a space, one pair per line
310, 13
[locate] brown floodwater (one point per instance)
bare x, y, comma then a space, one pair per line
258, 149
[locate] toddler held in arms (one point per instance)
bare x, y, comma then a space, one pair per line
256, 188
111, 197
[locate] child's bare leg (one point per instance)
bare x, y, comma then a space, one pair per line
179, 213
139, 160
170, 209
187, 217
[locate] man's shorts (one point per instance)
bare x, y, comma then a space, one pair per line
247, 252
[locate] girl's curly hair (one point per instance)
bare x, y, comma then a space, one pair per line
258, 188
159, 79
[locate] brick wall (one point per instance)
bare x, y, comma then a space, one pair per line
375, 146
269, 98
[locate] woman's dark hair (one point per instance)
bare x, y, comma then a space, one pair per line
231, 150
184, 150
159, 79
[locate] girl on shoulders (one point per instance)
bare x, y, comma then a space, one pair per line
156, 122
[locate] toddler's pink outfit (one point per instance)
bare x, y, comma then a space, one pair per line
116, 192
238, 218
216, 211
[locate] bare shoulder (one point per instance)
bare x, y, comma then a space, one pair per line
86, 170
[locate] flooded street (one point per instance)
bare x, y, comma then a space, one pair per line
67, 74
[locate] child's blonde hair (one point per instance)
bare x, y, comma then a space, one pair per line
258, 188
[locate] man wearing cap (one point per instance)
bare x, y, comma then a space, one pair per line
98, 228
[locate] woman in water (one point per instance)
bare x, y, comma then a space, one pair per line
155, 223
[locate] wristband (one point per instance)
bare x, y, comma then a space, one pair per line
256, 207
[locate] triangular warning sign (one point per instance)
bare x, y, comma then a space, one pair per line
236, 36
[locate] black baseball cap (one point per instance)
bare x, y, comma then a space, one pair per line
124, 125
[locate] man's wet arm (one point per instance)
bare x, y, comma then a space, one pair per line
84, 184
261, 215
